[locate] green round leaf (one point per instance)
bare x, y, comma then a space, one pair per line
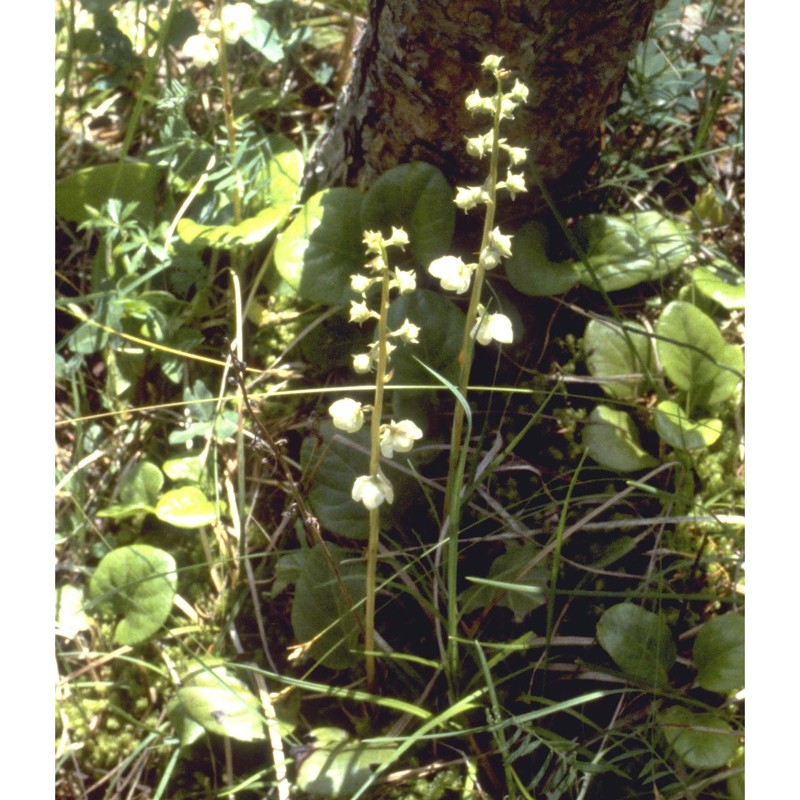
695, 356
678, 431
323, 247
609, 354
338, 766
700, 740
320, 611
417, 198
612, 441
188, 468
720, 282
139, 492
627, 250
719, 654
138, 582
529, 269
222, 704
639, 641
129, 182
618, 256
186, 507
278, 188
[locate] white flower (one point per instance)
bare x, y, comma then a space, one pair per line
507, 107
360, 313
362, 363
398, 436
201, 50
519, 92
237, 21
501, 242
406, 280
479, 146
492, 326
373, 241
517, 155
360, 283
475, 102
468, 197
513, 184
453, 274
372, 491
348, 415
399, 238
491, 63
408, 332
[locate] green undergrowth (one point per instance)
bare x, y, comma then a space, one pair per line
551, 587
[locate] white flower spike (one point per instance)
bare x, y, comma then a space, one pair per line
372, 491
348, 415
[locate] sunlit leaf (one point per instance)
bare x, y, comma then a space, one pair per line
612, 440
695, 356
129, 182
337, 765
186, 507
221, 703
323, 246
678, 431
139, 583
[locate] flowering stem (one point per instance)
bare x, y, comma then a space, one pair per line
465, 357
374, 470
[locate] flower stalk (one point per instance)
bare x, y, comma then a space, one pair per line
480, 325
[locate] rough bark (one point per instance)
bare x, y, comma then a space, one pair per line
417, 60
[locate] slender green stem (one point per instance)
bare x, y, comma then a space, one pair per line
374, 470
457, 445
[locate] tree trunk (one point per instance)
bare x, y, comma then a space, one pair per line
417, 60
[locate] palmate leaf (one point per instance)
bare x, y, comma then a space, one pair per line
139, 583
